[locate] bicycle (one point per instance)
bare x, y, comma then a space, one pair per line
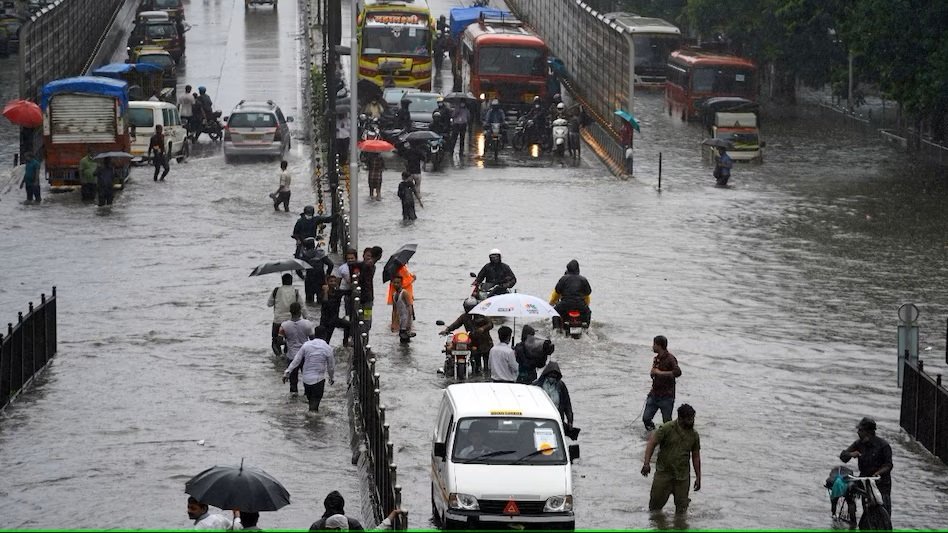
874, 515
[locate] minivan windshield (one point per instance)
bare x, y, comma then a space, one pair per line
508, 440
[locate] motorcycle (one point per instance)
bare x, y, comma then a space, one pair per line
874, 515
457, 351
560, 134
573, 324
493, 139
485, 290
212, 127
434, 152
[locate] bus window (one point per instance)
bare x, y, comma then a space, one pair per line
721, 81
519, 61
402, 41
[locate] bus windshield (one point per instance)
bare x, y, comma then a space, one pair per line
723, 81
512, 60
652, 51
396, 40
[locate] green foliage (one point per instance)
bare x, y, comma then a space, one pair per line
318, 96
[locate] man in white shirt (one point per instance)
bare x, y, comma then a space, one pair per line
282, 195
503, 361
203, 519
280, 300
186, 107
296, 332
316, 358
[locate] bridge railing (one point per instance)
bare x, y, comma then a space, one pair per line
27, 347
924, 413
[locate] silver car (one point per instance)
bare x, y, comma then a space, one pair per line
258, 129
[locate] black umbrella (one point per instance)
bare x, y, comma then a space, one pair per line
718, 143
460, 97
399, 258
368, 91
286, 265
242, 488
422, 135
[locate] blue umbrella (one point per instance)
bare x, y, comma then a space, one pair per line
626, 116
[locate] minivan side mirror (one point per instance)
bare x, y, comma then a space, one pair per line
440, 450
573, 452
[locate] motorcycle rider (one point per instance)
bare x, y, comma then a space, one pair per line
441, 119
554, 108
496, 274
442, 45
403, 116
537, 115
204, 100
478, 327
571, 292
496, 115
560, 111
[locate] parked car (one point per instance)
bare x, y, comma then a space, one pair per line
256, 128
142, 119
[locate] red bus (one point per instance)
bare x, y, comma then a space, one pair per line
694, 76
502, 59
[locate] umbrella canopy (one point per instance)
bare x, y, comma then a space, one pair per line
118, 155
422, 135
242, 488
515, 305
368, 90
375, 145
626, 116
718, 143
23, 113
399, 258
287, 265
459, 97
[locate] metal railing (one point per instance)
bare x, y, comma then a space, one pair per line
27, 347
924, 413
370, 412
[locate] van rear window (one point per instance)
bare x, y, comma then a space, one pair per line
252, 120
141, 118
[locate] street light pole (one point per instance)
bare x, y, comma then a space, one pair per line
354, 55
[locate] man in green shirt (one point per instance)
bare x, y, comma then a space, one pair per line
677, 440
87, 167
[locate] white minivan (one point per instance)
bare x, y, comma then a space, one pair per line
499, 460
142, 119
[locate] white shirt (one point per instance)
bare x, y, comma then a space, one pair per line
212, 521
342, 128
503, 363
345, 279
317, 360
296, 333
280, 301
186, 105
285, 179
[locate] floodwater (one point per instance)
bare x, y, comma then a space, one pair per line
164, 340
778, 295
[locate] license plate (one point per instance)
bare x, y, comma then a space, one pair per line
458, 353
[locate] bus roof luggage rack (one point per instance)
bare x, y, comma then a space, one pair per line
499, 18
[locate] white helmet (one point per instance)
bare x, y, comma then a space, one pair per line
560, 106
495, 251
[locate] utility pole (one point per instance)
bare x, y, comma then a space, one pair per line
849, 98
354, 54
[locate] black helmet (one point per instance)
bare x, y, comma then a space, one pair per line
309, 210
405, 102
557, 97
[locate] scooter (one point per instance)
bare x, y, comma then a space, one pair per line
560, 135
457, 350
493, 139
434, 152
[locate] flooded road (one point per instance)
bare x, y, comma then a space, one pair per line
164, 340
778, 296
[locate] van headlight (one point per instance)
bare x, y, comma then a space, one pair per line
558, 504
465, 502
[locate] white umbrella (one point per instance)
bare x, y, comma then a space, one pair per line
515, 305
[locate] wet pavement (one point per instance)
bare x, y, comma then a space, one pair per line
778, 295
164, 340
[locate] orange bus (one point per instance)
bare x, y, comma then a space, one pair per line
502, 59
694, 76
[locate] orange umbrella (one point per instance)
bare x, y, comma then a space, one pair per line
23, 113
375, 145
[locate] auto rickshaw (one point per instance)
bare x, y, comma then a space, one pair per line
144, 80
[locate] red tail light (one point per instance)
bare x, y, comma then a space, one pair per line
277, 136
573, 314
226, 133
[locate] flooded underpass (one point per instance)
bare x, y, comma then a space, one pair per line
778, 296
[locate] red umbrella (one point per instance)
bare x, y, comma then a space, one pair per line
375, 145
23, 113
